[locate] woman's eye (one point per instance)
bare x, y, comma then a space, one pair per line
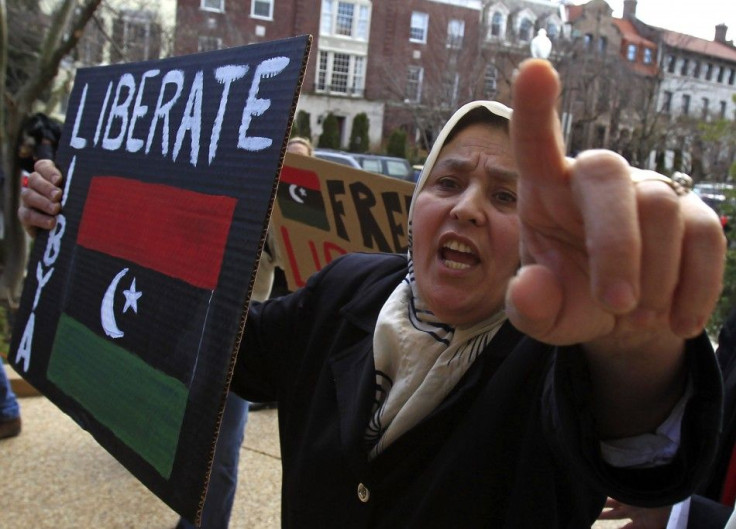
447, 182
505, 197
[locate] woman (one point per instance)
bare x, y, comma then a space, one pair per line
546, 305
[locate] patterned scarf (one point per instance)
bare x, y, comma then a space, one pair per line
419, 359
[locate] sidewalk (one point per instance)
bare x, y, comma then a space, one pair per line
56, 476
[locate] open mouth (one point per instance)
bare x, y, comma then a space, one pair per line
457, 255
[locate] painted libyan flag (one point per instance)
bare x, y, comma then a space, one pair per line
300, 197
147, 261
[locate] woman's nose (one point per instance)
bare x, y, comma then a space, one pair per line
470, 206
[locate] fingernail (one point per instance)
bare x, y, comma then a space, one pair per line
619, 296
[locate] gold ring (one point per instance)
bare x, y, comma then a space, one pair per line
680, 183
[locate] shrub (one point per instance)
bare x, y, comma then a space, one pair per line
330, 137
397, 143
359, 134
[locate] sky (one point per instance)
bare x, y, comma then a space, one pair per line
698, 18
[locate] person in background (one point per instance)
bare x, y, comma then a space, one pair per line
270, 261
539, 347
10, 421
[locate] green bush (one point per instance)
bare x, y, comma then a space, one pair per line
301, 125
727, 300
330, 137
397, 143
359, 134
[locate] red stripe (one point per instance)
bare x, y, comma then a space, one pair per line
176, 232
300, 177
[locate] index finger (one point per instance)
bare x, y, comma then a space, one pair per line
536, 136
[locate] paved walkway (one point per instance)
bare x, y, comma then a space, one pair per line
56, 476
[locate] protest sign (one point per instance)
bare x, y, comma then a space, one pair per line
133, 306
324, 210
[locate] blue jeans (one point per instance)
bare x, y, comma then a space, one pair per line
9, 408
224, 476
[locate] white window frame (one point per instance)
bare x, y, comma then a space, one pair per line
414, 75
501, 26
419, 22
455, 33
355, 83
360, 23
530, 36
219, 9
253, 13
202, 38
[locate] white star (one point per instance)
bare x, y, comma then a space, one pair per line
131, 298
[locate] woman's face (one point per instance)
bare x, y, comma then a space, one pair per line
466, 228
297, 148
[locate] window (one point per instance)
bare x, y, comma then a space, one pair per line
587, 41
696, 70
709, 72
684, 67
419, 24
685, 104
667, 102
704, 107
414, 78
91, 45
346, 19
455, 33
498, 25
722, 113
602, 45
721, 72
209, 43
525, 30
490, 81
631, 52
671, 61
552, 30
138, 36
262, 9
451, 84
341, 73
648, 56
732, 76
213, 5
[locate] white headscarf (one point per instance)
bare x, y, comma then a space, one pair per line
418, 358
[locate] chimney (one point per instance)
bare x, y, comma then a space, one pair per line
629, 9
721, 30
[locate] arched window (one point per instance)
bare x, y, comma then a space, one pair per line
552, 30
525, 29
497, 25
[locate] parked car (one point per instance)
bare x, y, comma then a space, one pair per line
374, 163
344, 158
385, 165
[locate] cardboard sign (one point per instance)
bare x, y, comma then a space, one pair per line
324, 210
133, 305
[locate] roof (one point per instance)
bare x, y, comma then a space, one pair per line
574, 12
698, 45
629, 33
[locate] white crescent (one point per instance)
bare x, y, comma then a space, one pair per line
107, 311
292, 192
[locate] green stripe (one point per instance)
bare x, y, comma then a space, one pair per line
141, 405
316, 218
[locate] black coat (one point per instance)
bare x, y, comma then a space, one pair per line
706, 511
513, 445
